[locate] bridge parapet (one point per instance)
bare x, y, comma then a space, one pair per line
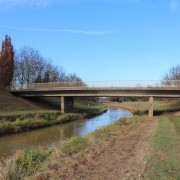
99, 84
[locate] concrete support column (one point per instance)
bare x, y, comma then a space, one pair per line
67, 104
62, 104
151, 100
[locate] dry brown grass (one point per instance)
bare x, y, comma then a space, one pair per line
117, 151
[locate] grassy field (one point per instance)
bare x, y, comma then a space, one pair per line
164, 160
9, 103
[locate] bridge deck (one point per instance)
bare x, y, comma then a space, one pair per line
67, 91
101, 91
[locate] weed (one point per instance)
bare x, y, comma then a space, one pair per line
26, 163
73, 145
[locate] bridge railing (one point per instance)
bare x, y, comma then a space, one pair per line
99, 84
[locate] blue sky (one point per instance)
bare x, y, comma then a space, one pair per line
98, 39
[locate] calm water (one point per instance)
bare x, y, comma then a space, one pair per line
50, 136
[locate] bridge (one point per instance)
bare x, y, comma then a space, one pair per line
68, 90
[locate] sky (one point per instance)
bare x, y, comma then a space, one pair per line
98, 39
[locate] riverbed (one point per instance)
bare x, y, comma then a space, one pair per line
50, 136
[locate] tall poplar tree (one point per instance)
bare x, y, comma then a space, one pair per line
6, 62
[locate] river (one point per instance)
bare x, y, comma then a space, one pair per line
50, 136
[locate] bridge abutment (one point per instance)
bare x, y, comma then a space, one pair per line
151, 101
67, 104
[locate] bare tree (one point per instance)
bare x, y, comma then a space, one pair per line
53, 73
172, 78
29, 66
73, 78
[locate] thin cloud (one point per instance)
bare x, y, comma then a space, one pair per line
85, 1
71, 31
46, 2
5, 5
12, 3
174, 4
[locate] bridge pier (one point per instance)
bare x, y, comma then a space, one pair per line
151, 100
67, 104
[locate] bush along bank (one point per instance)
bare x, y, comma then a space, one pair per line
10, 124
30, 122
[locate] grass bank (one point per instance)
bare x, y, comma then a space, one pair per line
164, 160
25, 121
65, 160
62, 161
10, 103
20, 123
18, 116
164, 156
140, 108
89, 108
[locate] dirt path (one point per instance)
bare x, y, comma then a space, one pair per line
122, 156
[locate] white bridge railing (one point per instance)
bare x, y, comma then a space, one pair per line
99, 84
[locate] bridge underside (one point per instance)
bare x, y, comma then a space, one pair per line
100, 92
67, 94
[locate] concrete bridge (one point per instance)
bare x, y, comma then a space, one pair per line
68, 90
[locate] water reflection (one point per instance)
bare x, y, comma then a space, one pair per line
51, 135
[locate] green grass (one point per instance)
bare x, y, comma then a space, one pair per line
164, 162
9, 103
20, 121
26, 163
74, 145
176, 122
16, 116
26, 122
89, 108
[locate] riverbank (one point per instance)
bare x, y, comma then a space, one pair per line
19, 115
112, 152
163, 155
127, 149
26, 121
141, 107
163, 161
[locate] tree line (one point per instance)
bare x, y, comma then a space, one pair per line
32, 67
28, 66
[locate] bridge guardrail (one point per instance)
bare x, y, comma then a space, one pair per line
99, 84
